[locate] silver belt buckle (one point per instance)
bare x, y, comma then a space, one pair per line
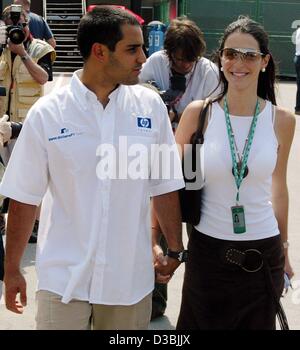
251, 251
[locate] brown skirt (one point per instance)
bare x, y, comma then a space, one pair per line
220, 292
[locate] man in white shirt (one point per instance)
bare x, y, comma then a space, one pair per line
297, 67
181, 71
93, 164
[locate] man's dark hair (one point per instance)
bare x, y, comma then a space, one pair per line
102, 25
184, 35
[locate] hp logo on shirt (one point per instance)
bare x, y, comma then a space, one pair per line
144, 122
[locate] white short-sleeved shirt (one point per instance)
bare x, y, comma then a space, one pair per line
201, 82
94, 239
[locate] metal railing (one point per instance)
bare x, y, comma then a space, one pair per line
44, 9
83, 7
83, 4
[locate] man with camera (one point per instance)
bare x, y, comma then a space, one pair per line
180, 71
38, 27
181, 74
25, 66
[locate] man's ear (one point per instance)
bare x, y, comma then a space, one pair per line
99, 51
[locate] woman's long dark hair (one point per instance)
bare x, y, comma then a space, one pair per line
266, 80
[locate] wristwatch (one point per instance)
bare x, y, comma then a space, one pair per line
25, 57
286, 244
181, 256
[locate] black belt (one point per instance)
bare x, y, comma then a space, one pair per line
252, 260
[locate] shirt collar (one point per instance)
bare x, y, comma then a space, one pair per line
80, 91
83, 95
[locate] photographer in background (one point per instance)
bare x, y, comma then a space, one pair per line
38, 27
181, 74
25, 66
180, 69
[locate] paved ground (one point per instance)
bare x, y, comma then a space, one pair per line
286, 97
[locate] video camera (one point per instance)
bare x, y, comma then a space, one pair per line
15, 31
177, 88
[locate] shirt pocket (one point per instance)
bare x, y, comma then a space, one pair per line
26, 93
75, 150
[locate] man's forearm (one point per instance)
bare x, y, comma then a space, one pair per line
155, 228
167, 210
52, 42
36, 71
19, 227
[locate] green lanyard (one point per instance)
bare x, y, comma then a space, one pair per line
239, 175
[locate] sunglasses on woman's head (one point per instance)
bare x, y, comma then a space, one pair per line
248, 55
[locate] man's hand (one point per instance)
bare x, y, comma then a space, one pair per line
20, 221
14, 284
5, 130
3, 33
18, 49
172, 115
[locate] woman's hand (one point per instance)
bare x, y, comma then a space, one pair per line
288, 268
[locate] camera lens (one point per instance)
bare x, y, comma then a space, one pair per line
16, 35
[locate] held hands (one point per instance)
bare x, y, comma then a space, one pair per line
163, 265
5, 130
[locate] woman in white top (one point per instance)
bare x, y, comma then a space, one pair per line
238, 252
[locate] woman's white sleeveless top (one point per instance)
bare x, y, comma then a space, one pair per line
219, 193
